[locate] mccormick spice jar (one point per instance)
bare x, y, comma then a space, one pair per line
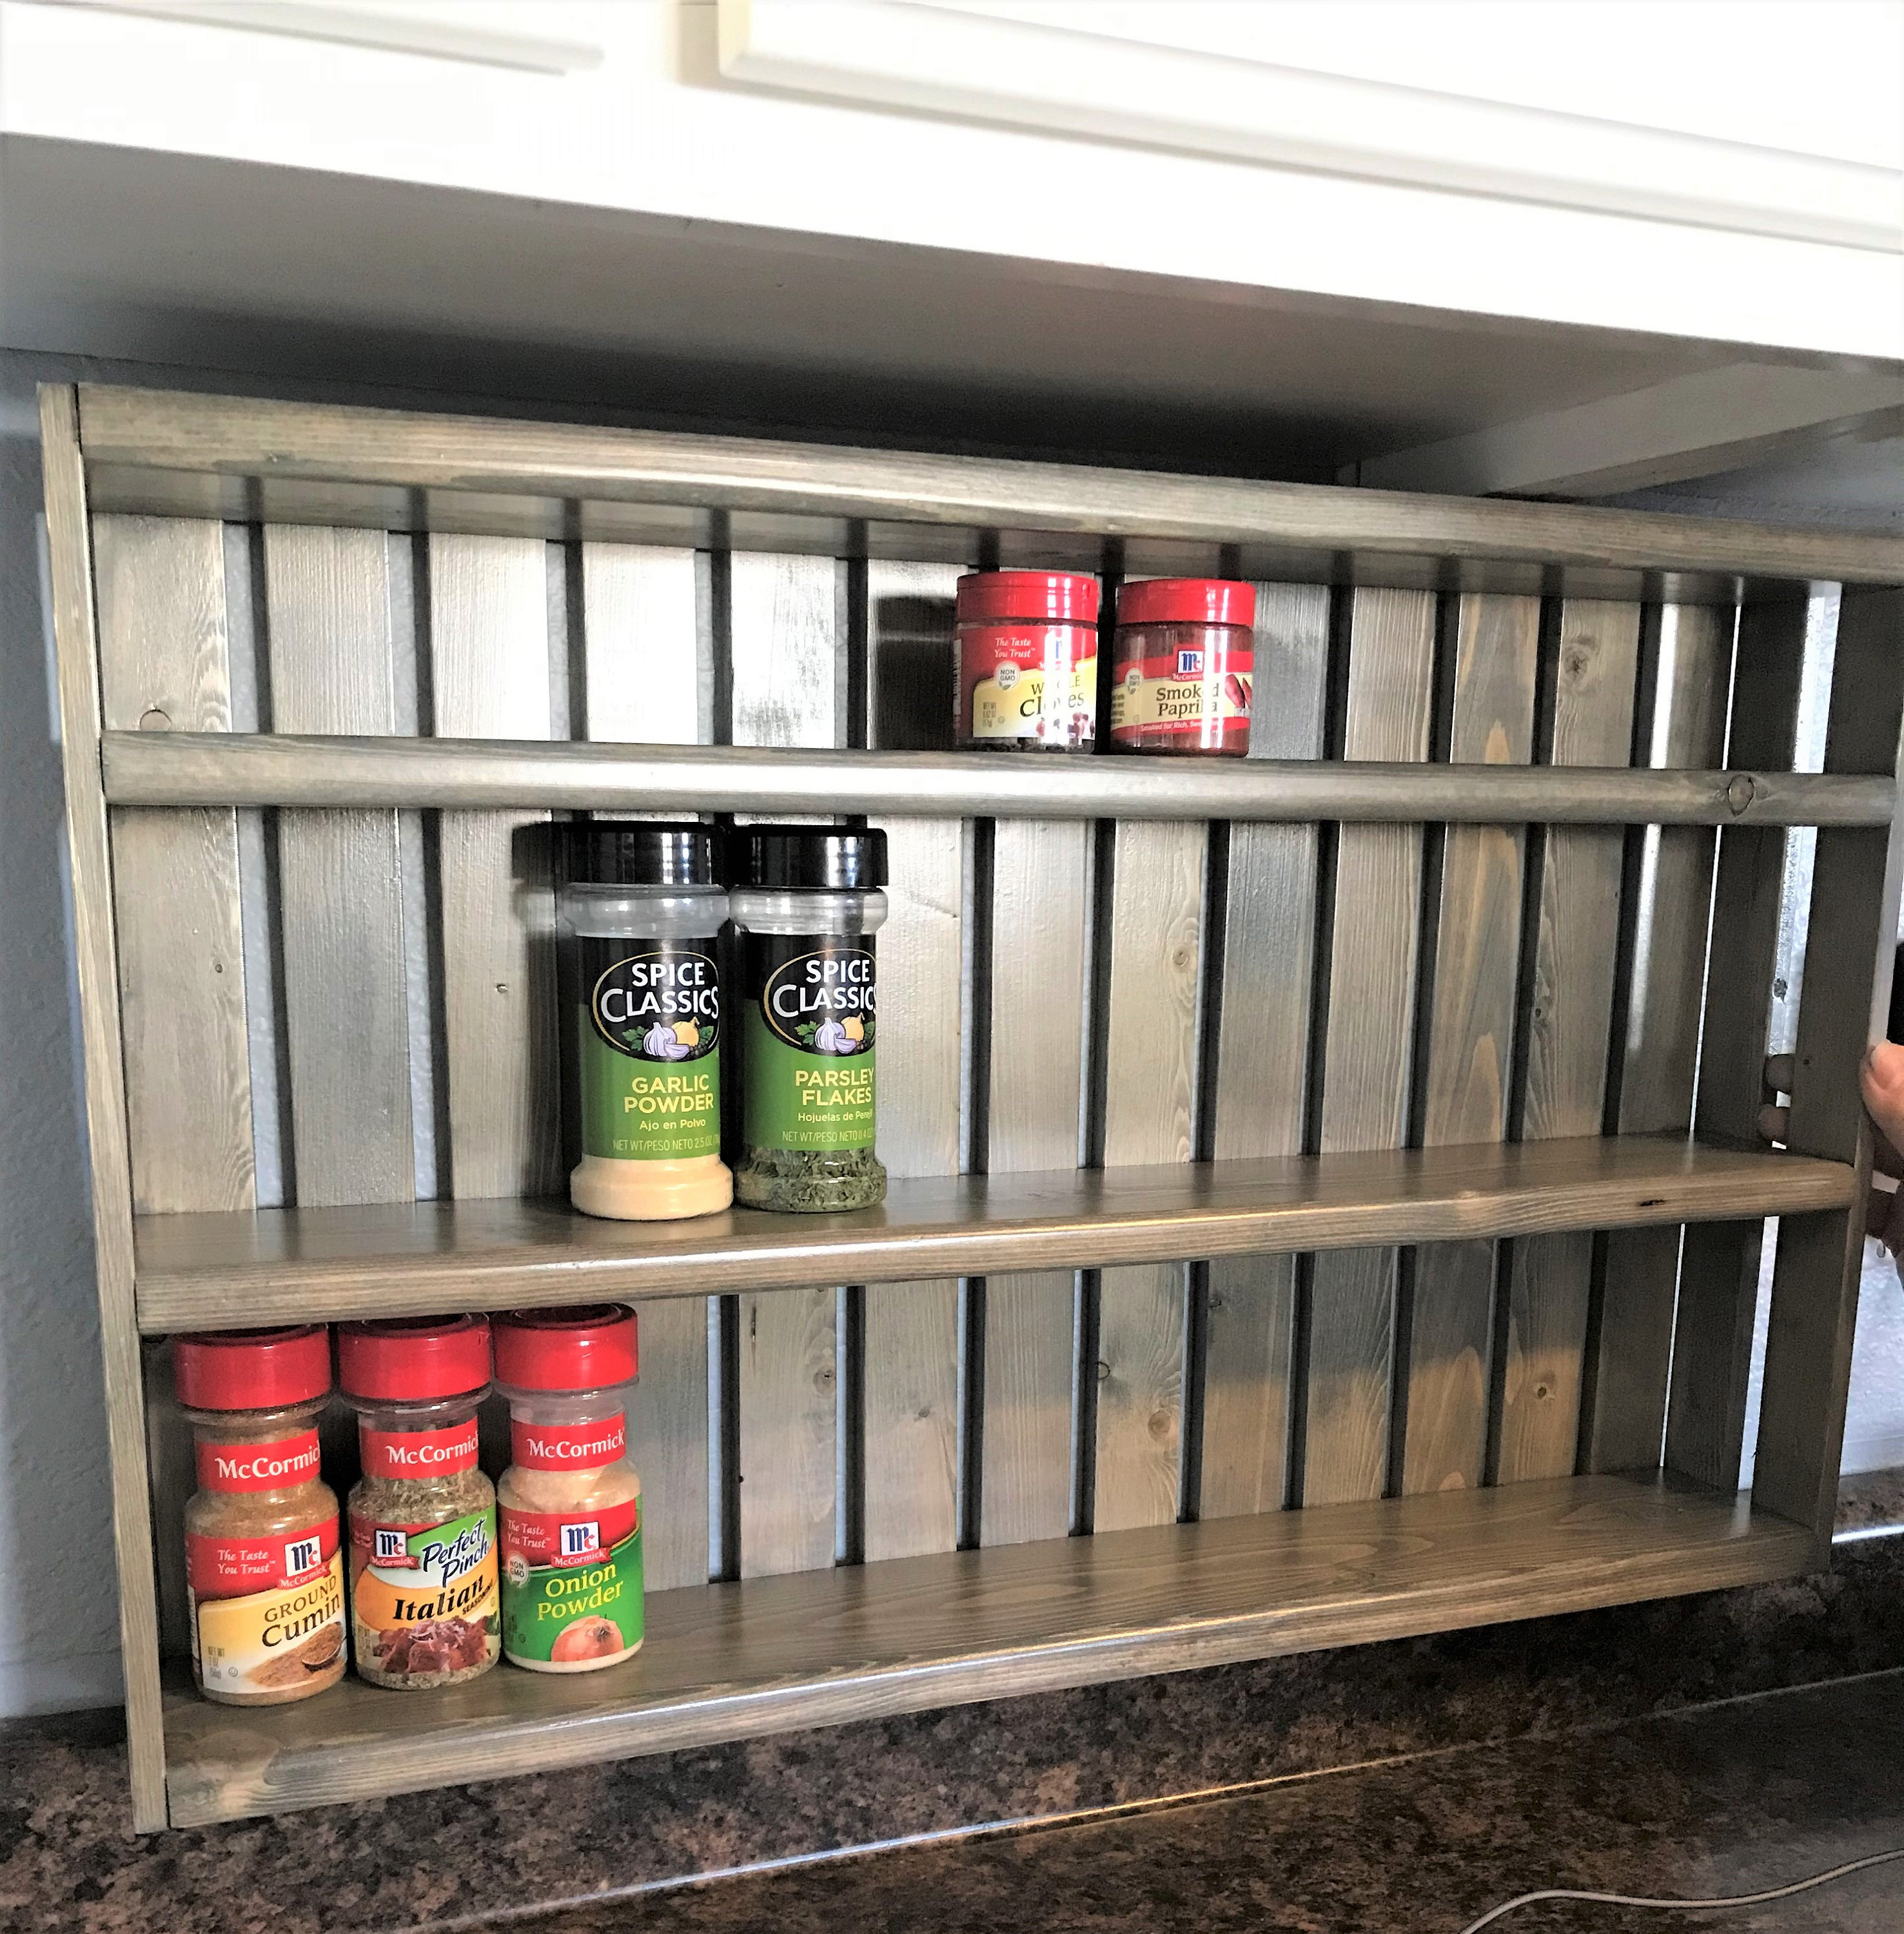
637, 922
264, 1568
1184, 662
806, 903
1027, 660
423, 1606
570, 1501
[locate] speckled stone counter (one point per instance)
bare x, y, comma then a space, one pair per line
456, 1857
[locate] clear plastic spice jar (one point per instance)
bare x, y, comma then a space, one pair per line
1027, 660
637, 921
263, 1570
570, 1501
423, 1609
1184, 664
806, 903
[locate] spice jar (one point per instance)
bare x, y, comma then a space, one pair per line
1027, 660
570, 1501
423, 1520
1184, 660
637, 921
264, 1572
806, 901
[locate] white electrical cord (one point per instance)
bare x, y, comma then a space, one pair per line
1633, 1900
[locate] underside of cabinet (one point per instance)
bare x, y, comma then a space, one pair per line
1327, 1203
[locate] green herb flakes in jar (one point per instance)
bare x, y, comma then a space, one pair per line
807, 903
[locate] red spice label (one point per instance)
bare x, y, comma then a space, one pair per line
1186, 694
1037, 682
418, 1454
232, 1568
533, 1539
275, 1466
569, 1447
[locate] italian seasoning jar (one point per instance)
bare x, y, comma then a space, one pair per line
636, 926
807, 903
423, 1607
1184, 666
264, 1572
570, 1501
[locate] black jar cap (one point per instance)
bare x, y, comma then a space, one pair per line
640, 853
808, 858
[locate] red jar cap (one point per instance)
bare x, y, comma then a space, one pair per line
1187, 601
252, 1370
1043, 596
588, 1349
412, 1359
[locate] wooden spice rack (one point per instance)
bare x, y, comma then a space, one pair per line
1327, 1204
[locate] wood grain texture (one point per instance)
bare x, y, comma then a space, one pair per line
910, 1379
1269, 949
489, 644
1150, 1065
1719, 1264
346, 1013
787, 653
726, 1661
1041, 875
164, 663
1855, 884
1367, 1045
143, 431
646, 673
71, 583
1692, 653
1549, 1285
1470, 1048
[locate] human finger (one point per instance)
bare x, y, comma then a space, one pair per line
1882, 1082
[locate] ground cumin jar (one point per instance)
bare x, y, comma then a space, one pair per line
264, 1572
1184, 664
570, 1501
423, 1606
1027, 660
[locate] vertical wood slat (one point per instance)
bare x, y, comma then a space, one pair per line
1470, 1041
645, 678
72, 564
1550, 1277
489, 642
1719, 1261
910, 1332
787, 646
333, 670
1367, 1044
1262, 1058
165, 664
1685, 726
1041, 889
1855, 884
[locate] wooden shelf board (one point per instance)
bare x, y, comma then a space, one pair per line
821, 1648
278, 1266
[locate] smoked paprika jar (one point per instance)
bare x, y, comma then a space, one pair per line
1028, 661
1184, 666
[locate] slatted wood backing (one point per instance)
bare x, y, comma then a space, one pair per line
1684, 725
165, 664
910, 1351
1470, 1047
1041, 887
787, 646
646, 675
328, 619
1268, 948
1550, 1277
1367, 1046
489, 642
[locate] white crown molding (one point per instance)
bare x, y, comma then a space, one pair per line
912, 54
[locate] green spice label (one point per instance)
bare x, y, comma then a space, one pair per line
812, 1019
571, 1583
648, 1049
